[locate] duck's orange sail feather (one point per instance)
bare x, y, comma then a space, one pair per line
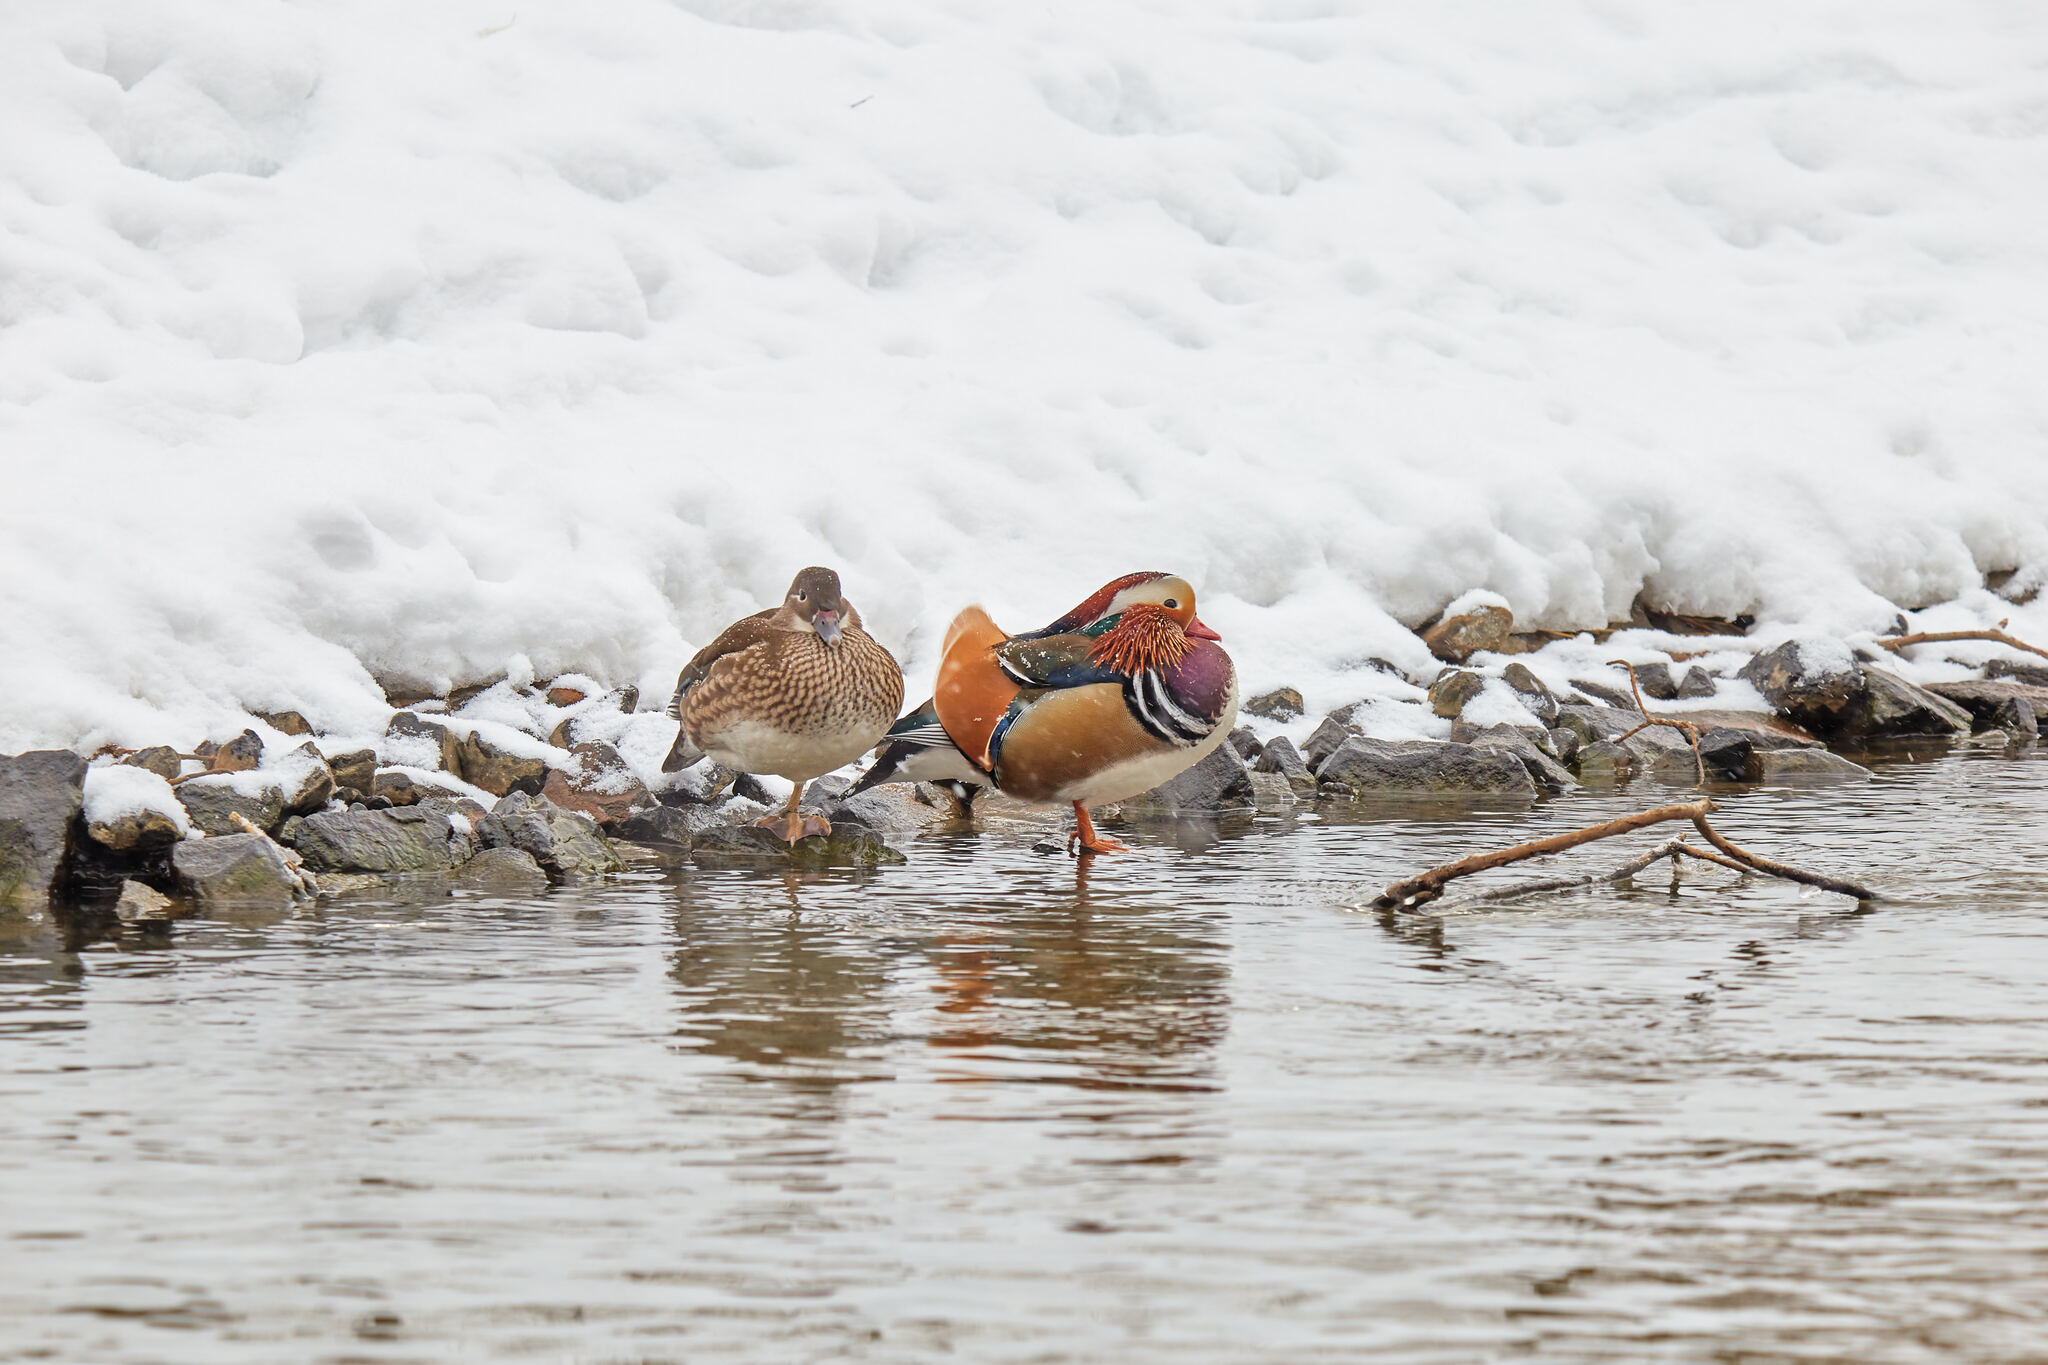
973, 693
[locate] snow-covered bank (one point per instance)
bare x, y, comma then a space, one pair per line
432, 344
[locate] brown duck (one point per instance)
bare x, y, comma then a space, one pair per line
797, 691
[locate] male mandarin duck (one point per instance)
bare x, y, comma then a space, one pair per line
1123, 692
796, 690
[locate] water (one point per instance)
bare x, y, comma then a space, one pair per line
1182, 1106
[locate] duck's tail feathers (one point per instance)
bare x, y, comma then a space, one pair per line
682, 753
918, 749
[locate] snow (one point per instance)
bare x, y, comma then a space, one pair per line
435, 344
114, 790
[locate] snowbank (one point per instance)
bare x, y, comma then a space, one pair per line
114, 791
374, 340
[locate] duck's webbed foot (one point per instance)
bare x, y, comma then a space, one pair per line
1086, 839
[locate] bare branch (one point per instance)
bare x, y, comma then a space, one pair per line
1778, 869
1935, 637
1429, 885
1692, 732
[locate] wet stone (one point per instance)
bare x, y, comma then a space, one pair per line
1604, 762
1564, 744
213, 800
666, 824
1729, 755
1328, 737
139, 904
1282, 704
235, 869
2016, 717
1246, 743
1279, 758
135, 831
41, 794
160, 759
598, 783
1219, 782
750, 845
1545, 771
566, 845
1810, 682
510, 870
400, 840
1382, 766
1889, 706
748, 787
1656, 682
1806, 766
1270, 790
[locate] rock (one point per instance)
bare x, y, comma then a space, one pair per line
1765, 730
1219, 782
701, 783
1327, 739
1697, 683
1280, 759
749, 845
1982, 699
748, 787
1546, 772
1282, 704
136, 831
1812, 682
357, 768
566, 845
1246, 743
214, 799
2017, 718
485, 763
1380, 766
820, 791
415, 838
239, 755
1592, 723
205, 750
1451, 691
286, 722
503, 869
1889, 705
1603, 762
1270, 790
1805, 766
1656, 682
1665, 749
1457, 638
598, 783
235, 869
408, 786
410, 742
160, 759
306, 782
1531, 691
1729, 755
565, 696
666, 824
139, 904
2034, 675
41, 794
1564, 745
891, 809
1612, 696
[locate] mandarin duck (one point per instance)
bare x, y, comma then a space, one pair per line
1123, 692
796, 690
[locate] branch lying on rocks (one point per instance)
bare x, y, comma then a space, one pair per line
1934, 637
1691, 731
1418, 891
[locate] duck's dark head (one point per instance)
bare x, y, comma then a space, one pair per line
815, 602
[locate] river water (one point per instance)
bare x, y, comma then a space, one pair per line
1178, 1106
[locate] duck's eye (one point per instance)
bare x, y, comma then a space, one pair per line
801, 598
1171, 605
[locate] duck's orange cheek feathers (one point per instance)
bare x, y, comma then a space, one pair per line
972, 693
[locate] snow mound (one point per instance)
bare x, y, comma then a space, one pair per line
114, 791
360, 342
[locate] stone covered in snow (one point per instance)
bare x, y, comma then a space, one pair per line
132, 809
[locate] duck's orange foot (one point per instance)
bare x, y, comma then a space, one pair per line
795, 825
1086, 840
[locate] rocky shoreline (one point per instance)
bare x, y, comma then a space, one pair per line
478, 794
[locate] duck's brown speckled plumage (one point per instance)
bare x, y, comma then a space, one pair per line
774, 694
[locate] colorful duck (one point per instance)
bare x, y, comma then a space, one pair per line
796, 690
1123, 692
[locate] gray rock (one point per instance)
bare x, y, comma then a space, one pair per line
566, 845
503, 869
1383, 766
1806, 767
1219, 782
1270, 790
1534, 695
1564, 745
1603, 762
1457, 638
1592, 723
139, 904
483, 762
1889, 705
750, 845
307, 782
235, 869
410, 742
1246, 743
2034, 675
1546, 772
1279, 758
891, 809
1656, 681
2016, 717
1453, 690
1282, 704
1697, 683
1612, 696
401, 788
1729, 755
357, 768
160, 759
666, 824
213, 800
416, 838
1327, 739
41, 794
1806, 681
1982, 699
748, 787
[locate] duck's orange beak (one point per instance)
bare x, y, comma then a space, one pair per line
1198, 631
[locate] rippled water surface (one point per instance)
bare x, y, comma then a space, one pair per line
1178, 1106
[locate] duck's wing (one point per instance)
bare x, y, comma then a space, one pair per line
1054, 661
740, 635
918, 749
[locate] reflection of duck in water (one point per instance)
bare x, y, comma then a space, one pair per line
1123, 692
796, 690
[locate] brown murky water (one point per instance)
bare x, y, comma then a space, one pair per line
1183, 1107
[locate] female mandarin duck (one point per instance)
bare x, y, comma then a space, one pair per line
1123, 692
797, 691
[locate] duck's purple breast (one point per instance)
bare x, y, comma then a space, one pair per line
1200, 683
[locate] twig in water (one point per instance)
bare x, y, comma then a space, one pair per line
1935, 637
1670, 848
1415, 891
1692, 732
1778, 869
